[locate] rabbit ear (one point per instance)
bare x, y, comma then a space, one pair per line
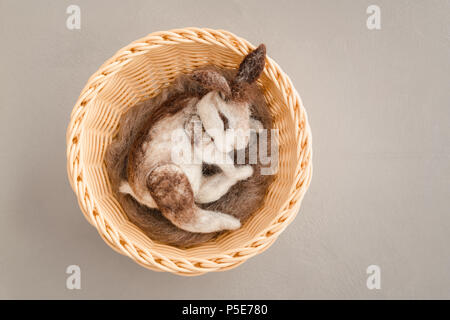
252, 65
212, 80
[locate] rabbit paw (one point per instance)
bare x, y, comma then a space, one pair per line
243, 172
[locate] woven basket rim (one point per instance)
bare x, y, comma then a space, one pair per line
155, 260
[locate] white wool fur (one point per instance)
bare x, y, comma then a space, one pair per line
213, 146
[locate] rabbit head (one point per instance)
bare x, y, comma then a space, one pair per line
225, 108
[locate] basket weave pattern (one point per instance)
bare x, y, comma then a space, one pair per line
139, 71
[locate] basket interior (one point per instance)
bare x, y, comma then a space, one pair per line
143, 77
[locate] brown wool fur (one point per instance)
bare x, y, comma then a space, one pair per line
241, 200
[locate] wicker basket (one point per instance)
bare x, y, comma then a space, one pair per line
138, 72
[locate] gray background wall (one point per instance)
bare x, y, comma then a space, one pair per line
378, 104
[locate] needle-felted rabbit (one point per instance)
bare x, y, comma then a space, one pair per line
181, 202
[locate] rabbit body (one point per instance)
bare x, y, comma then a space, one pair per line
156, 181
190, 202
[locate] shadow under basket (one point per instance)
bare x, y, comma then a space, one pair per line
139, 71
